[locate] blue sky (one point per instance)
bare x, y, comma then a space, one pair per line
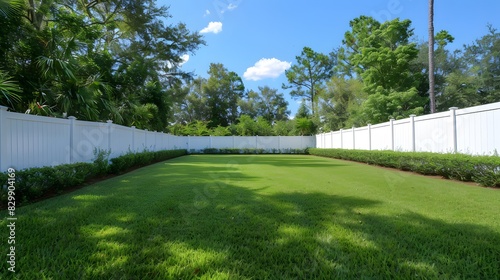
259, 39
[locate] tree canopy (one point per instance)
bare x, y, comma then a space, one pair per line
121, 60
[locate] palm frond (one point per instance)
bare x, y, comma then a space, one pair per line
9, 89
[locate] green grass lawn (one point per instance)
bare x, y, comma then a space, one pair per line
260, 217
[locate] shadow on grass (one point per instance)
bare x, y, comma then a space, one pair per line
173, 227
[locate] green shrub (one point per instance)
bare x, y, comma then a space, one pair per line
101, 161
484, 170
254, 151
34, 183
122, 163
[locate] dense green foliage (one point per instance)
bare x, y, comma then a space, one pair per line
381, 72
34, 183
308, 74
133, 160
484, 170
260, 217
95, 60
120, 61
254, 151
247, 126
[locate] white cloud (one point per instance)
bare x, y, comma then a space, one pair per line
207, 13
266, 68
213, 27
185, 59
232, 6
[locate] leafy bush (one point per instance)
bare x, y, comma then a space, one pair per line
101, 161
484, 170
254, 151
34, 183
131, 160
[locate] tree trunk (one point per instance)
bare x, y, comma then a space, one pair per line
432, 95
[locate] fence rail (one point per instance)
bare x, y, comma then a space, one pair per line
474, 130
33, 141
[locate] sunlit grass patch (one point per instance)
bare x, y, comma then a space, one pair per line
261, 217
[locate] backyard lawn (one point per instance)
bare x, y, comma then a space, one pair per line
260, 217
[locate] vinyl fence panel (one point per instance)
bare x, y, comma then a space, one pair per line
474, 130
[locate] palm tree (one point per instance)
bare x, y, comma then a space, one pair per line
10, 7
432, 95
8, 90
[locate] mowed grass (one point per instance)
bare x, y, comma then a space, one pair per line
261, 217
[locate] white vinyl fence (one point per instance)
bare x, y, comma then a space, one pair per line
474, 130
34, 141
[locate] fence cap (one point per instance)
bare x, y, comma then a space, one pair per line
453, 108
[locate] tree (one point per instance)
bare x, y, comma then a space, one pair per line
9, 90
340, 103
381, 55
10, 8
246, 126
97, 60
432, 95
483, 61
308, 74
303, 111
193, 105
223, 90
272, 106
445, 62
250, 104
284, 128
474, 80
267, 103
305, 126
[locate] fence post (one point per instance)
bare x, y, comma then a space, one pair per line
133, 139
453, 114
392, 133
369, 137
154, 137
256, 142
331, 139
3, 131
279, 143
353, 139
72, 139
110, 123
189, 144
210, 142
412, 124
341, 138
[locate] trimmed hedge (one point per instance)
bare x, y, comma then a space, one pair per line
122, 163
253, 151
34, 183
484, 170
